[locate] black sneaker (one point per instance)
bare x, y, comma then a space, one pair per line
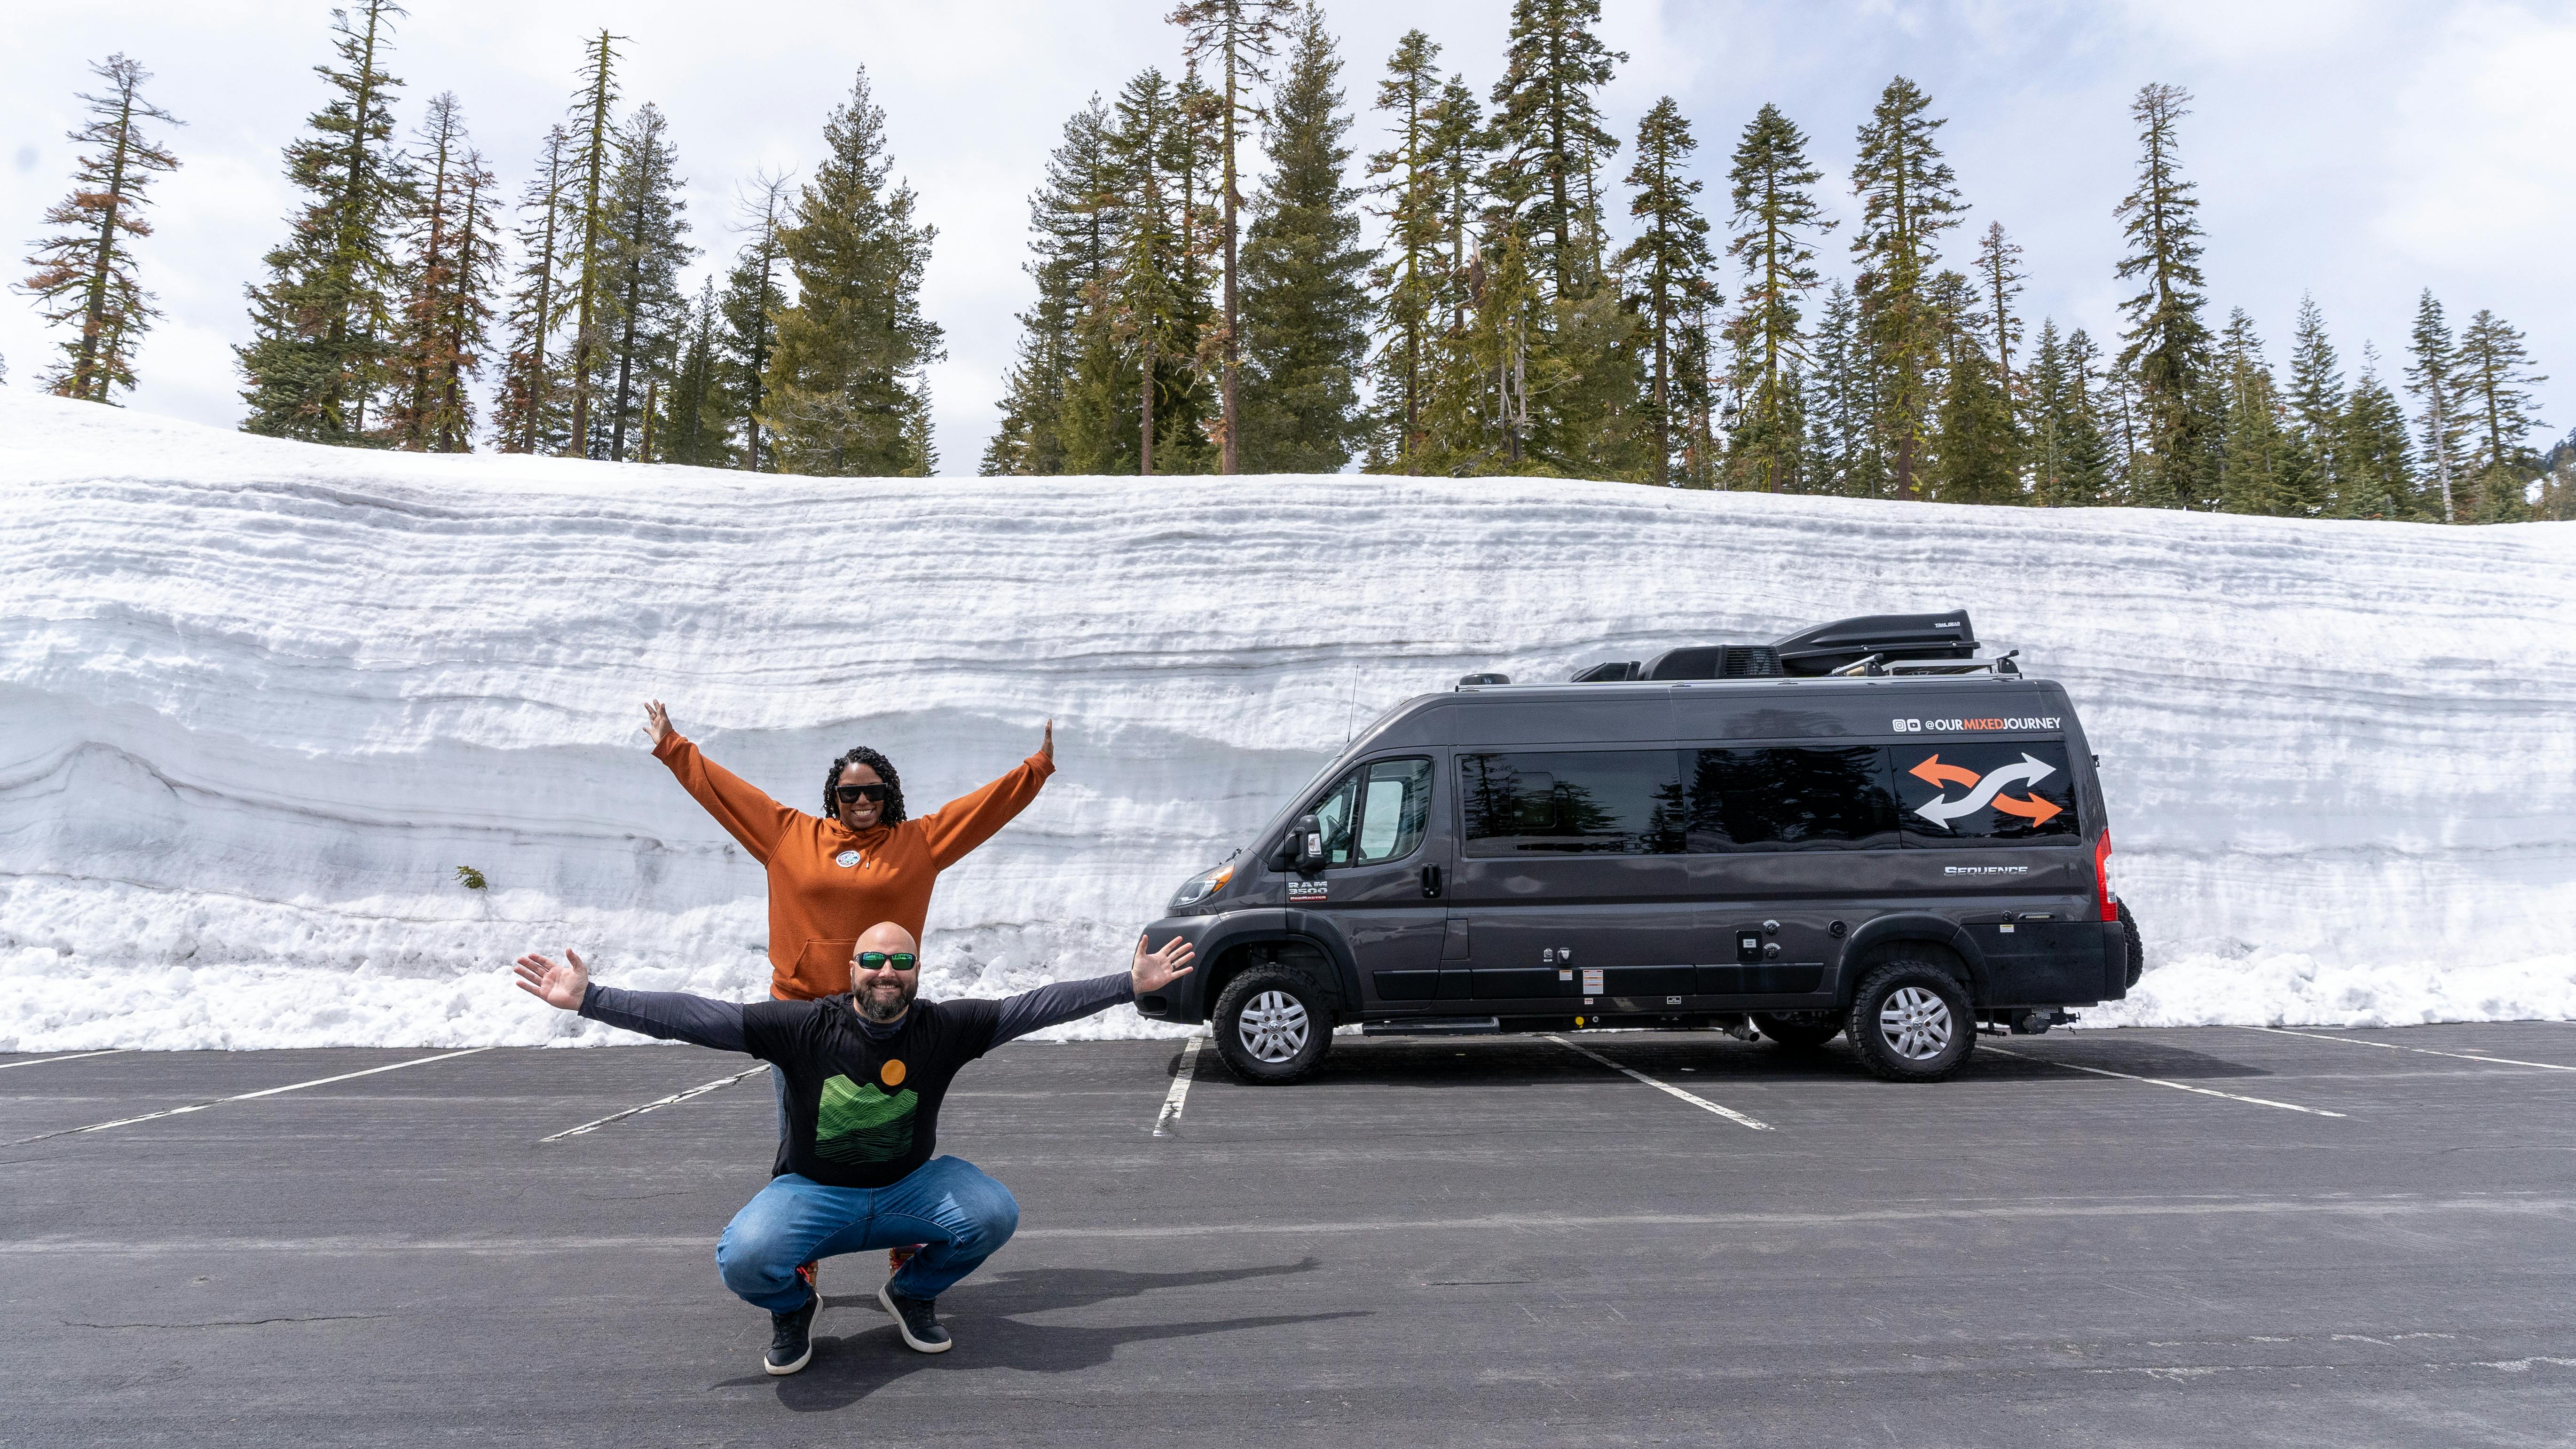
915, 1319
791, 1338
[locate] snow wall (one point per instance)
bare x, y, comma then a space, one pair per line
258, 700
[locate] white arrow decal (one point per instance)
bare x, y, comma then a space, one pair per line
1941, 809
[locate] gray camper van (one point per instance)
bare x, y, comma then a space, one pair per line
1863, 828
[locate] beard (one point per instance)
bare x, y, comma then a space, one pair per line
882, 1005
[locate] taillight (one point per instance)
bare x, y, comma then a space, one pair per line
2102, 877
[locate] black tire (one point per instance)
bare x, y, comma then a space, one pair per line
1272, 1025
1911, 1021
1802, 1031
2137, 953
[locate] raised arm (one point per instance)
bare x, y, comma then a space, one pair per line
1061, 1001
747, 814
670, 1015
969, 820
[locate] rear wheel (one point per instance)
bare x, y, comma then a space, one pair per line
2137, 956
1910, 1022
1272, 1025
1798, 1030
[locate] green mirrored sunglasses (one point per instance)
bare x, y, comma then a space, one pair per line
880, 960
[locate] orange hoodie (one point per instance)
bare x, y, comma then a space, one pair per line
827, 882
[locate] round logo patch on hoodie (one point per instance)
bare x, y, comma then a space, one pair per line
846, 859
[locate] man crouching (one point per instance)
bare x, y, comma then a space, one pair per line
864, 1076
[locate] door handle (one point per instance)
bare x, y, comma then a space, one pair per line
1431, 882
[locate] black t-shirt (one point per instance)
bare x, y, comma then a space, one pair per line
863, 1112
862, 1108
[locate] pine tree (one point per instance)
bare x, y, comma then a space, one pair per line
1977, 457
594, 142
2441, 433
1241, 34
847, 391
2089, 479
2378, 475
1074, 222
696, 424
1455, 434
1305, 300
85, 274
1407, 277
2167, 345
2000, 279
449, 276
1843, 442
1909, 196
2316, 405
1775, 213
641, 261
532, 416
748, 312
1156, 316
2255, 452
2495, 381
1550, 137
320, 326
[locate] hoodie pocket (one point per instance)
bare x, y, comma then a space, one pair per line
824, 966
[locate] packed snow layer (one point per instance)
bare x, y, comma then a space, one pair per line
259, 700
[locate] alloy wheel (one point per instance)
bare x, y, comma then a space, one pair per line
1915, 1022
1273, 1026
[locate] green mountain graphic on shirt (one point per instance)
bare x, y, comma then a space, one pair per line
855, 1123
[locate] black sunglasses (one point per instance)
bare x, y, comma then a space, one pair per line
880, 960
853, 794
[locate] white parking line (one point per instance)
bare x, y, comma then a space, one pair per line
242, 1097
2161, 1082
675, 1098
74, 1057
1180, 1092
2419, 1051
1703, 1103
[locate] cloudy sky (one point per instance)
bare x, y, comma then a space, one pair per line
2360, 149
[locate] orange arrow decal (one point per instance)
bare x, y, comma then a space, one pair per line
2034, 809
1940, 776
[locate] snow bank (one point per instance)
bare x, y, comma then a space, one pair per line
259, 700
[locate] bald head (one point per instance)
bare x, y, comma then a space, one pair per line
883, 993
885, 936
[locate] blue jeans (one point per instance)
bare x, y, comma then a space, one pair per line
948, 1203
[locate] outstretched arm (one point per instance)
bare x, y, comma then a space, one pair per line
746, 813
670, 1015
1062, 1001
969, 820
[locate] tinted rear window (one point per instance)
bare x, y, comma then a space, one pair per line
1589, 802
1955, 793
1789, 798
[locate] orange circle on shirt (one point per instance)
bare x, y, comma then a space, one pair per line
891, 1074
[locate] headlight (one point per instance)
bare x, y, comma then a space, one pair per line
1201, 886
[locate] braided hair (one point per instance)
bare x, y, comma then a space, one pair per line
892, 814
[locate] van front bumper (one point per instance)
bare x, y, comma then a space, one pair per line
1183, 1000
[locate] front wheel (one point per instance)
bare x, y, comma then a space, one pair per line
1910, 1022
1272, 1026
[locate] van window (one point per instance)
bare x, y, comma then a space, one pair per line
1789, 798
1395, 801
1595, 802
1333, 813
1957, 793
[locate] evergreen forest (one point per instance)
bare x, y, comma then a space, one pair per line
1223, 281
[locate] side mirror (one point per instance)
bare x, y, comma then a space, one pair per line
1306, 845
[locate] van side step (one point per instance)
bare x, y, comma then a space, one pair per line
1435, 1026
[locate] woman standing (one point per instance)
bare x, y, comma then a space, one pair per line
860, 862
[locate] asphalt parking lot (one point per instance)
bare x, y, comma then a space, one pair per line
2210, 1236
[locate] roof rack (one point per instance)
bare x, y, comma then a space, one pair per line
1878, 641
